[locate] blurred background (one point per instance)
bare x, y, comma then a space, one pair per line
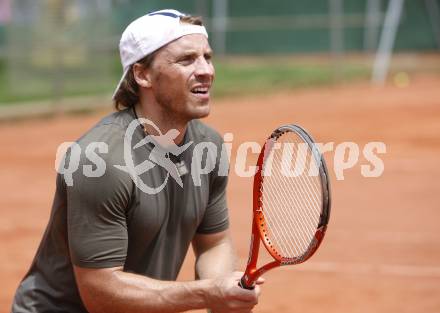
52, 50
356, 71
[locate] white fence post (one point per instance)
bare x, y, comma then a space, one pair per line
386, 44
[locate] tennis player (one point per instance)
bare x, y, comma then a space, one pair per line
116, 242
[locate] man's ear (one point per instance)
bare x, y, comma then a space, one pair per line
142, 75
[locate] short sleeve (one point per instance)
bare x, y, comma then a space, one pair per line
216, 217
96, 217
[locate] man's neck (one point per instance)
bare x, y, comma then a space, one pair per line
162, 121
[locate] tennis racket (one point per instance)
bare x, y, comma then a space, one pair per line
291, 201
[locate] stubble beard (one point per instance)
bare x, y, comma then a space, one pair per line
173, 115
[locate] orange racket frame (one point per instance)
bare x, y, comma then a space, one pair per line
259, 228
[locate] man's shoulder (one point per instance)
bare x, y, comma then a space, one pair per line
98, 156
104, 141
110, 129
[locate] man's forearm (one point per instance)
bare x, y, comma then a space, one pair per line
119, 291
112, 290
217, 261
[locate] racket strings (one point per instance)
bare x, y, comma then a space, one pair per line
303, 187
309, 191
290, 227
279, 200
281, 233
287, 222
306, 221
291, 195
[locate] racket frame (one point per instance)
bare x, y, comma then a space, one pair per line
259, 228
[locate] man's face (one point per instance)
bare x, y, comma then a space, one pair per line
181, 77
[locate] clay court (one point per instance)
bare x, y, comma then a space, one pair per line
382, 250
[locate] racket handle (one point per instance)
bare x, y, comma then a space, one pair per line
243, 285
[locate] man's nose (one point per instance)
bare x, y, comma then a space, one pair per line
204, 68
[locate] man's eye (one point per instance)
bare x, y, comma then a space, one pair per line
186, 60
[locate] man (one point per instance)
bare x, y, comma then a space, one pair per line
113, 246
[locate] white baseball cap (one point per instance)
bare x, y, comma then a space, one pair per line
149, 33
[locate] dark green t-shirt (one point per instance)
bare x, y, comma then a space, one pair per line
106, 218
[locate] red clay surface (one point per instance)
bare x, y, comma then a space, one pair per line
382, 250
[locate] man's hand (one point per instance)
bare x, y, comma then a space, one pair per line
228, 297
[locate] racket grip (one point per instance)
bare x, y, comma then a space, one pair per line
243, 285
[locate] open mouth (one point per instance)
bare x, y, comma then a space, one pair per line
200, 90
